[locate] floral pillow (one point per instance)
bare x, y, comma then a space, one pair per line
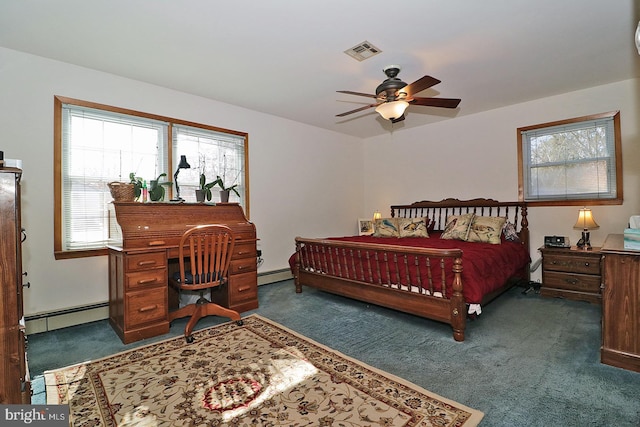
486, 229
386, 227
457, 227
413, 227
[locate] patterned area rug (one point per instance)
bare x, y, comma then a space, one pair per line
260, 373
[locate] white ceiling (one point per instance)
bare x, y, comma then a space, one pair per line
285, 57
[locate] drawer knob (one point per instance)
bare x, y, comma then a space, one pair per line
572, 281
148, 308
586, 264
246, 288
147, 281
145, 263
157, 243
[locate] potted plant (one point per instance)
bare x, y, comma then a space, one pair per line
224, 191
156, 188
204, 192
137, 184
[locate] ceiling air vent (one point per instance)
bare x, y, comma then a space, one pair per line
362, 51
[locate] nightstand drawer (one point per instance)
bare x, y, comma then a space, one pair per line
573, 282
572, 264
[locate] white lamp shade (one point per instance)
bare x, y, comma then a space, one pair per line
585, 220
392, 110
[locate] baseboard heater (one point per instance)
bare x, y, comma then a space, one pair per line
51, 320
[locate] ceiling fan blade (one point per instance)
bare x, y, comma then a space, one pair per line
436, 102
356, 110
349, 92
425, 82
399, 119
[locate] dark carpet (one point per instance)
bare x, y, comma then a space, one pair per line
526, 361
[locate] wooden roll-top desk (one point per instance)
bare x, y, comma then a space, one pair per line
139, 265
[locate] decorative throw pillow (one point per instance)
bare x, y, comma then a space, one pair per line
510, 233
486, 229
413, 227
457, 227
386, 227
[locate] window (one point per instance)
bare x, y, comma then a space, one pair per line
571, 162
97, 144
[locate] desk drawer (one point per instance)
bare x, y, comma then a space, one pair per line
149, 305
245, 249
243, 265
140, 279
242, 287
146, 261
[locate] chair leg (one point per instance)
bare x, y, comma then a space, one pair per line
198, 311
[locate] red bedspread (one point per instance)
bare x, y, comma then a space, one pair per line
486, 267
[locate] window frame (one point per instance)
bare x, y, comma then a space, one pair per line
617, 200
59, 101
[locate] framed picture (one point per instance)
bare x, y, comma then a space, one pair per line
365, 227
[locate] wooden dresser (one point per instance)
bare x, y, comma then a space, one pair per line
139, 296
15, 386
571, 273
620, 305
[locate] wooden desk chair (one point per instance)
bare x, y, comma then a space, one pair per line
204, 256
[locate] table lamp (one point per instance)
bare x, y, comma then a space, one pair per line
585, 223
376, 215
182, 165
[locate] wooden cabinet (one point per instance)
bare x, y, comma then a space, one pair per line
620, 305
571, 273
138, 301
15, 385
139, 298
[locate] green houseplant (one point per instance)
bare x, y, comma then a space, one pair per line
156, 188
204, 192
137, 184
224, 190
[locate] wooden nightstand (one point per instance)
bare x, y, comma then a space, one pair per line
571, 273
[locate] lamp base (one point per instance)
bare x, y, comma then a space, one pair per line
584, 243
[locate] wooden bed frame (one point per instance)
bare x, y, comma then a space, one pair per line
322, 272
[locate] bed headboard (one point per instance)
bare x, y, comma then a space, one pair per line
515, 212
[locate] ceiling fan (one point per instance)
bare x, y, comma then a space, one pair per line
394, 96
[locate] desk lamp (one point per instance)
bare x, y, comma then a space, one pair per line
183, 165
585, 223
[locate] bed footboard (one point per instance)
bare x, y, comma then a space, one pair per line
421, 281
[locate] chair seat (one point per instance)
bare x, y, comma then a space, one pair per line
189, 277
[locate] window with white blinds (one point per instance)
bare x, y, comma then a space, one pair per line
213, 154
97, 144
576, 161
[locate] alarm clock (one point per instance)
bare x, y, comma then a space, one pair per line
556, 241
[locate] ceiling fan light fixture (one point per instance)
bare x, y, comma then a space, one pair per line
392, 110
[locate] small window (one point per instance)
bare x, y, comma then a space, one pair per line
571, 162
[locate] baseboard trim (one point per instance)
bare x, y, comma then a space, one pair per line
274, 276
52, 320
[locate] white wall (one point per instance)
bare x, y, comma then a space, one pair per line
295, 187
303, 180
475, 156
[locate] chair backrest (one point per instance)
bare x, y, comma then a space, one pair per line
209, 249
